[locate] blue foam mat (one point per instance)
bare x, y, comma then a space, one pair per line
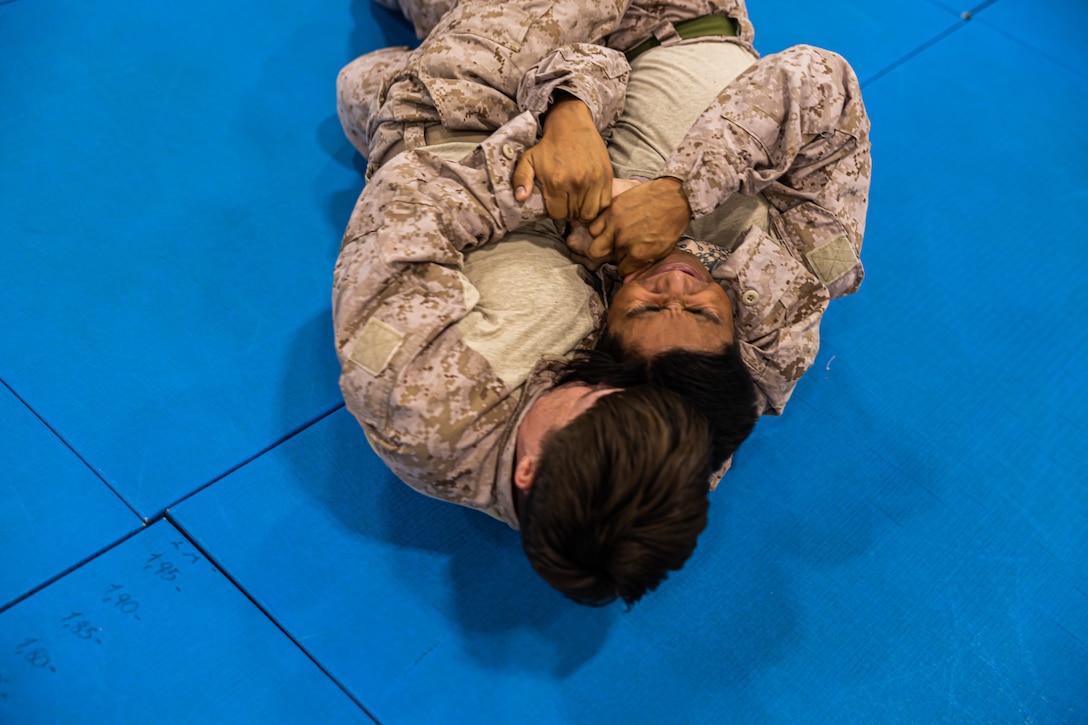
54, 512
152, 630
175, 184
914, 524
872, 36
1054, 28
907, 544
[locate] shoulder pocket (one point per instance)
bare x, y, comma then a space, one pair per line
822, 241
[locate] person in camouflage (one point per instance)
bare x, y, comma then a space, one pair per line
776, 174
475, 54
417, 293
785, 307
807, 188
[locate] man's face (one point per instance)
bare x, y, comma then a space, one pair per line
673, 304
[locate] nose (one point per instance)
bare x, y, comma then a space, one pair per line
673, 282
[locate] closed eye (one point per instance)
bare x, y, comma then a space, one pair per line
701, 312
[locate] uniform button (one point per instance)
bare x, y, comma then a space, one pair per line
750, 297
508, 151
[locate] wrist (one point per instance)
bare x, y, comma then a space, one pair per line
567, 110
671, 190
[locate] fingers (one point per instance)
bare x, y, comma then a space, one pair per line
569, 200
635, 257
600, 224
628, 263
595, 201
556, 204
585, 209
601, 246
524, 176
604, 200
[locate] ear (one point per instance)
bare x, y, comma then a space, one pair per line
524, 471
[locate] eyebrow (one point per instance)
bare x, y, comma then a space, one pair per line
647, 309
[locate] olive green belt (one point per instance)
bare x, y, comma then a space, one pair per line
703, 27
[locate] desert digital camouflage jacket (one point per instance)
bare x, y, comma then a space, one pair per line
641, 19
792, 129
465, 73
804, 148
431, 406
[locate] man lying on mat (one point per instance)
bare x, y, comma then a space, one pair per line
470, 452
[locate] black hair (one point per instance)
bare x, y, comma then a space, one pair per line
719, 385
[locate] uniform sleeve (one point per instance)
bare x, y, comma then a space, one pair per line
793, 128
591, 73
432, 408
471, 65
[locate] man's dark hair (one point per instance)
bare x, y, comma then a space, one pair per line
719, 385
619, 496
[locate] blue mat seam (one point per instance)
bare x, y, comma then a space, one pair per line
164, 512
39, 587
237, 585
913, 54
978, 9
1057, 60
69, 446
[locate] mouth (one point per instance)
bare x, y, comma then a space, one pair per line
677, 266
675, 262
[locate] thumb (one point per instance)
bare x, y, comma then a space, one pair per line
523, 177
598, 226
601, 246
626, 266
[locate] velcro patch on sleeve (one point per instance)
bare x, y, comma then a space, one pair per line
375, 346
832, 260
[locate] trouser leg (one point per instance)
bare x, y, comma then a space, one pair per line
357, 88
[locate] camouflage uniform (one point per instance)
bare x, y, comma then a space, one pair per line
813, 179
435, 411
423, 15
432, 407
641, 18
793, 130
783, 221
466, 73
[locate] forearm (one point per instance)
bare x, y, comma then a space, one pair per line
467, 73
493, 46
778, 304
423, 14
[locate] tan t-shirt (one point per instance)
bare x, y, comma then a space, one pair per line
527, 299
670, 87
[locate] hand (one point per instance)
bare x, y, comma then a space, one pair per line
642, 225
570, 163
579, 238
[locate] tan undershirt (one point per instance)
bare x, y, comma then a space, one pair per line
526, 298
670, 87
